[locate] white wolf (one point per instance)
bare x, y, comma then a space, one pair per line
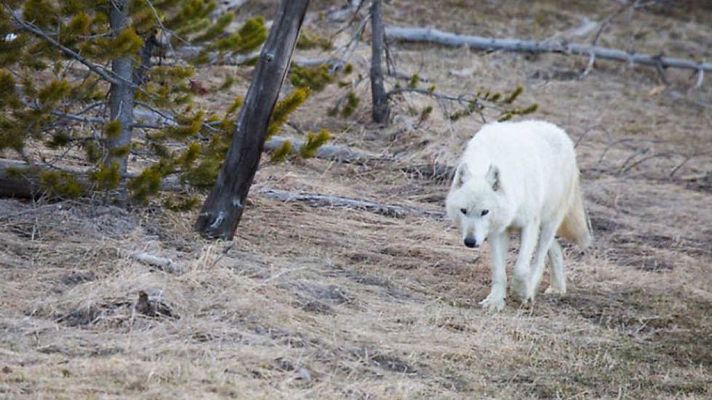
520, 176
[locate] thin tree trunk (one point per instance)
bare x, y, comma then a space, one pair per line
121, 96
223, 208
378, 92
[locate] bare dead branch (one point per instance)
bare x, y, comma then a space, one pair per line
625, 167
593, 129
406, 77
687, 159
78, 118
351, 45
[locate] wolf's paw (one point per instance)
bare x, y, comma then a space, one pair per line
531, 293
520, 287
555, 291
493, 302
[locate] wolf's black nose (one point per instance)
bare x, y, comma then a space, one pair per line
470, 242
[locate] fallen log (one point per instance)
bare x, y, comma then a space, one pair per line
23, 181
321, 200
17, 179
435, 36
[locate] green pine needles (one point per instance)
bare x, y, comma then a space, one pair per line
57, 70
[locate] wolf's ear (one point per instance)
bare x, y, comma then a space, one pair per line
462, 175
493, 177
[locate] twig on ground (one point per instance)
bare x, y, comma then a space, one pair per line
686, 160
163, 263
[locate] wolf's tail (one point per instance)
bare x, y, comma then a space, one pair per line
576, 226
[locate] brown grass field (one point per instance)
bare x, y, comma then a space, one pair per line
332, 303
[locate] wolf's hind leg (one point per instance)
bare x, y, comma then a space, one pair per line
557, 285
546, 238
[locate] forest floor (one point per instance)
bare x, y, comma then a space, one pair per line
322, 302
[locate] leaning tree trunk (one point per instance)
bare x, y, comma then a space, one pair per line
121, 97
378, 92
224, 206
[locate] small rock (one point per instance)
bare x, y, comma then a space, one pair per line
303, 374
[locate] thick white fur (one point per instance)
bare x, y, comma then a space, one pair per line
524, 174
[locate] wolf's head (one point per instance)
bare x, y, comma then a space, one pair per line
474, 203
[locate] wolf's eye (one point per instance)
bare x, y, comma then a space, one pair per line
484, 212
463, 210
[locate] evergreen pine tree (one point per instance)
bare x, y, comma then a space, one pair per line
99, 82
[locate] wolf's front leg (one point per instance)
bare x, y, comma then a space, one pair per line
522, 271
495, 300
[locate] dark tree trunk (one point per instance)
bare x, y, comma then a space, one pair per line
150, 43
224, 206
378, 92
121, 96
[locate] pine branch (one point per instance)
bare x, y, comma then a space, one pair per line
97, 69
462, 99
166, 116
91, 107
78, 118
441, 96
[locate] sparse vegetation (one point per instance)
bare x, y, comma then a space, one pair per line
334, 302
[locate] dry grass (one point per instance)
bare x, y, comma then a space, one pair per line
334, 303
